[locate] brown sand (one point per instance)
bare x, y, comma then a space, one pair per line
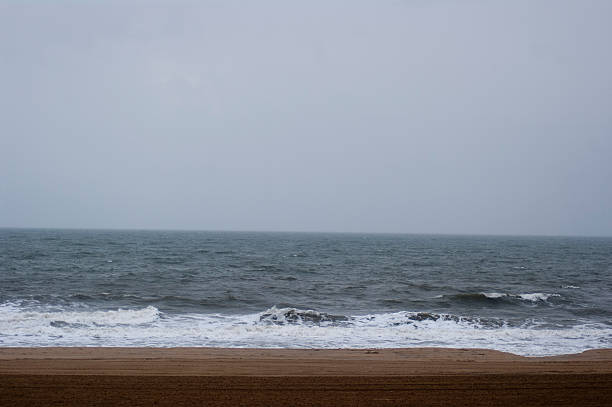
285, 377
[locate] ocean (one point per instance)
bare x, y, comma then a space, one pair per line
526, 295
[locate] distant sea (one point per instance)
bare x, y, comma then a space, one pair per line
526, 295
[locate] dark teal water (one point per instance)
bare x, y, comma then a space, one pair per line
127, 287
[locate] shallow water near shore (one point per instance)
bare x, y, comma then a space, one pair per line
526, 295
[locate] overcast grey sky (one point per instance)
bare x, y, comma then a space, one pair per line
356, 116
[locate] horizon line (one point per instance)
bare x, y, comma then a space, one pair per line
128, 229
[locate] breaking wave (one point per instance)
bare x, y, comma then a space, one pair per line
281, 316
495, 296
288, 328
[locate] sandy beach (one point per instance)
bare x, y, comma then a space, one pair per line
264, 377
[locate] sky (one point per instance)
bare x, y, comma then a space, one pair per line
475, 117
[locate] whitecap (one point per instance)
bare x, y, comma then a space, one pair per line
535, 297
494, 295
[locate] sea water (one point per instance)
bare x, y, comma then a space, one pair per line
526, 295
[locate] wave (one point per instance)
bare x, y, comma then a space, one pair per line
293, 316
288, 328
495, 296
10, 313
283, 316
535, 297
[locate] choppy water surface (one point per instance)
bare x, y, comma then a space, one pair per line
527, 295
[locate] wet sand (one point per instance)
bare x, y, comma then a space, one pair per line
285, 377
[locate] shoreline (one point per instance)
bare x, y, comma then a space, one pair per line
227, 376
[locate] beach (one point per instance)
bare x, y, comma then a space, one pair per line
345, 203
267, 377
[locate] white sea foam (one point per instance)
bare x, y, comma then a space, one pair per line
286, 327
494, 295
89, 318
535, 297
573, 287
